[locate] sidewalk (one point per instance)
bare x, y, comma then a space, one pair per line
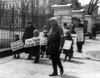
91, 46
79, 67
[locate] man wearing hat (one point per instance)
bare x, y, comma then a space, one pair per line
28, 33
54, 41
78, 24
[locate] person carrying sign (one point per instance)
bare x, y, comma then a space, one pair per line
16, 53
80, 34
43, 47
28, 33
68, 52
35, 50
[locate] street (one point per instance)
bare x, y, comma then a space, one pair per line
78, 67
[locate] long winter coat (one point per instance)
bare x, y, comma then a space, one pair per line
28, 33
54, 40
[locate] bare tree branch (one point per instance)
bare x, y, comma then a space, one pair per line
92, 6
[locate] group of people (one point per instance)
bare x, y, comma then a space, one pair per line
56, 38
31, 32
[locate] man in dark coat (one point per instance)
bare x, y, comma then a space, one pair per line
54, 40
28, 33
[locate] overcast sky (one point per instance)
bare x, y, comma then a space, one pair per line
84, 1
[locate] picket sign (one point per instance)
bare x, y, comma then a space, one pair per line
43, 41
80, 34
67, 44
17, 45
74, 37
35, 41
32, 42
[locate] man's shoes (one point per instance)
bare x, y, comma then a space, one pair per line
79, 51
35, 61
61, 71
53, 74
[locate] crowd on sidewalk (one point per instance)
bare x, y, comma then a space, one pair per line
59, 40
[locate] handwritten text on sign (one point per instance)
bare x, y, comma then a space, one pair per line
17, 45
32, 42
43, 41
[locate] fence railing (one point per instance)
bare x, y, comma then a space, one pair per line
9, 28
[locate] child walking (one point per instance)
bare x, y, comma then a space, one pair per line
68, 53
43, 47
36, 49
16, 53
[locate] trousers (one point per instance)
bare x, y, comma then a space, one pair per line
79, 46
56, 62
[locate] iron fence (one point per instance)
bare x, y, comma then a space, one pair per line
11, 25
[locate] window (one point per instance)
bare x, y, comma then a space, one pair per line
6, 6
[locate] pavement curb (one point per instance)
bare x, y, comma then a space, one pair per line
90, 57
5, 52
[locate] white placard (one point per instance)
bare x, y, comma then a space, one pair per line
80, 34
32, 42
43, 41
67, 44
74, 37
17, 45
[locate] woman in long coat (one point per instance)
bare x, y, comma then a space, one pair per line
28, 33
68, 53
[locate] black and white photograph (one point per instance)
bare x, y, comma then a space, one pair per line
49, 38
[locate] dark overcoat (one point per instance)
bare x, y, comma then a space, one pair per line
54, 40
28, 33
